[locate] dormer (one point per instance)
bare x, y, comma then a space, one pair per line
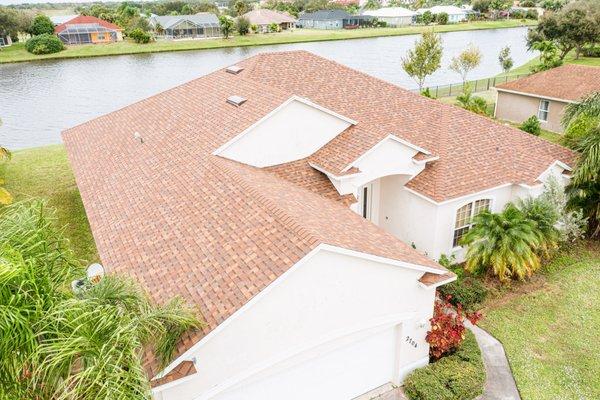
294, 130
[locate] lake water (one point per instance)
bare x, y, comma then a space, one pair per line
40, 99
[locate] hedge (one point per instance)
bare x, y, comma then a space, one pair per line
44, 44
459, 376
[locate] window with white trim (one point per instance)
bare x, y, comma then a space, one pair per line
464, 218
543, 110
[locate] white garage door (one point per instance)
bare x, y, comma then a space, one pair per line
340, 374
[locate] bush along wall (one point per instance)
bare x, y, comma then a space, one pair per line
459, 376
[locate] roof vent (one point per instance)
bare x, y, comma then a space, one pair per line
234, 69
236, 100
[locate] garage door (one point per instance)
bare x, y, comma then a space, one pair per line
339, 374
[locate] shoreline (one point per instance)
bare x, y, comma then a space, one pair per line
17, 53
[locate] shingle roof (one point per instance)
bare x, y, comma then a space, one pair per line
263, 16
200, 19
390, 12
85, 20
185, 222
568, 82
326, 15
475, 153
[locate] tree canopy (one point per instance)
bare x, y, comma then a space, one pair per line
425, 58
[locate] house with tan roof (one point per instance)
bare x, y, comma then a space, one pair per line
263, 18
300, 205
546, 94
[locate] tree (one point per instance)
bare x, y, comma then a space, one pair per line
242, 26
41, 24
505, 60
159, 29
574, 26
427, 17
482, 6
549, 57
466, 61
67, 345
424, 59
372, 5
442, 18
503, 244
545, 216
240, 7
584, 190
44, 44
226, 24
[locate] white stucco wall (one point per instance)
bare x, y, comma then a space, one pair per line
329, 294
292, 132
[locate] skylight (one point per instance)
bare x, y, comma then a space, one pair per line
234, 69
236, 100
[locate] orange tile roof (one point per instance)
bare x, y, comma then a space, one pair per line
185, 222
86, 19
569, 82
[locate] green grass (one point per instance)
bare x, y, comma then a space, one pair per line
549, 328
569, 59
17, 52
44, 172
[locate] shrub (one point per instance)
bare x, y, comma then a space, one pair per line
139, 36
254, 28
466, 290
442, 18
273, 27
460, 376
427, 17
527, 3
44, 44
531, 125
447, 328
531, 14
41, 25
242, 26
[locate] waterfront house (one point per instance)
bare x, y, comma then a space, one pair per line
455, 14
196, 26
546, 94
329, 19
263, 18
393, 16
84, 29
283, 196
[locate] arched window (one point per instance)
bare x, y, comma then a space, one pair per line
464, 218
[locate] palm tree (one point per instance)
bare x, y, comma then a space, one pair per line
66, 345
503, 244
545, 215
584, 190
589, 105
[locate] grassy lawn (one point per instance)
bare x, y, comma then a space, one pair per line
569, 59
44, 172
549, 327
18, 53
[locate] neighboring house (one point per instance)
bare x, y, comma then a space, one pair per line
5, 40
264, 17
393, 16
280, 196
455, 14
546, 94
329, 19
61, 19
85, 29
386, 3
197, 26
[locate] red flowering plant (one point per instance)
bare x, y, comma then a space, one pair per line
447, 327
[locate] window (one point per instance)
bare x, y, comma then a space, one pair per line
365, 201
101, 36
464, 218
543, 110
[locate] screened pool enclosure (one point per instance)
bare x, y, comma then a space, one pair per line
87, 33
196, 26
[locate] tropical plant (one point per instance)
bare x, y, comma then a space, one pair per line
584, 189
441, 18
578, 128
273, 27
226, 24
66, 345
472, 103
240, 7
588, 105
139, 36
549, 57
531, 125
545, 216
427, 17
41, 25
424, 59
505, 60
466, 61
503, 244
372, 5
159, 29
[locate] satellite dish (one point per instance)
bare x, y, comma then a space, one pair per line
95, 272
